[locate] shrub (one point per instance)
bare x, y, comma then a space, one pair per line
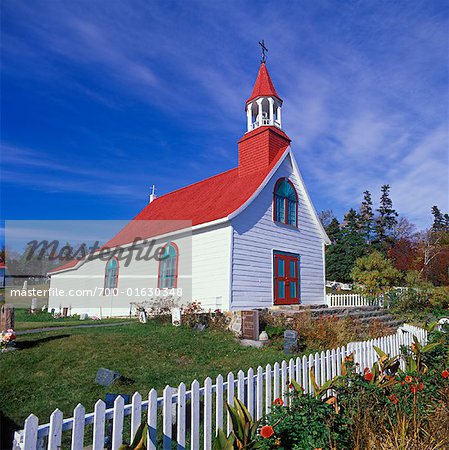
323, 332
305, 422
375, 273
439, 298
380, 407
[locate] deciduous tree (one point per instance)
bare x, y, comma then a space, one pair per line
375, 274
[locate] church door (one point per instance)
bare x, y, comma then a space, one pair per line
286, 278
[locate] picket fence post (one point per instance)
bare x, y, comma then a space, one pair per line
167, 417
152, 420
136, 415
55, 432
181, 417
78, 427
207, 427
219, 403
195, 424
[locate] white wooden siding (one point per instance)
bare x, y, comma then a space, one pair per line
256, 236
203, 275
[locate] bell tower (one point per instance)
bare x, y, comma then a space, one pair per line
263, 108
264, 137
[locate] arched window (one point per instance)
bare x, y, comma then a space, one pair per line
111, 274
285, 203
168, 266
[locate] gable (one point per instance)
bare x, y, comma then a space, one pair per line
287, 166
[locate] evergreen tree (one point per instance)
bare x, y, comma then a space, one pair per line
347, 245
367, 217
438, 219
352, 222
386, 220
333, 230
446, 221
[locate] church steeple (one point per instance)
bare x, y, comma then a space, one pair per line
264, 138
263, 108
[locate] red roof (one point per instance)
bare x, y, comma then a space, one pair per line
199, 203
208, 200
263, 87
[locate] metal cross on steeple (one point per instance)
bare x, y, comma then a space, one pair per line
264, 49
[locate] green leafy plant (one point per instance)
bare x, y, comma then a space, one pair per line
243, 435
140, 439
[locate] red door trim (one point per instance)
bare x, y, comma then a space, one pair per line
287, 278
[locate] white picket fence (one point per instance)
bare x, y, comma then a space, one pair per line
349, 301
191, 418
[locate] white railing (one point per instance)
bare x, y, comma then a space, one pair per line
350, 300
265, 121
167, 415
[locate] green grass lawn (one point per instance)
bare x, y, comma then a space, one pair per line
57, 369
26, 321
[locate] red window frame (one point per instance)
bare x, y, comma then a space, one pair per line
116, 274
286, 208
175, 281
287, 278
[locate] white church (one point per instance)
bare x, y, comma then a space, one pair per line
243, 239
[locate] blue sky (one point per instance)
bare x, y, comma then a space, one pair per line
102, 99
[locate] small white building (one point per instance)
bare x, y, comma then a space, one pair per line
245, 238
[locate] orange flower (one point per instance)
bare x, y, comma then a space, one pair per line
420, 386
278, 402
445, 373
394, 399
408, 379
413, 389
369, 376
277, 442
266, 431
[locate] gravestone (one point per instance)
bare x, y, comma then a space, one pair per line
84, 316
7, 317
290, 341
33, 305
250, 325
443, 324
176, 317
106, 377
65, 312
143, 316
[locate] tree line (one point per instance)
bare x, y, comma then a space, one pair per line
367, 229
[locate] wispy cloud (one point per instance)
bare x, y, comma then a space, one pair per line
365, 87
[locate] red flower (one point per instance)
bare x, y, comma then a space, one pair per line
420, 386
394, 399
445, 373
369, 376
408, 379
266, 431
413, 389
366, 370
278, 402
290, 386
